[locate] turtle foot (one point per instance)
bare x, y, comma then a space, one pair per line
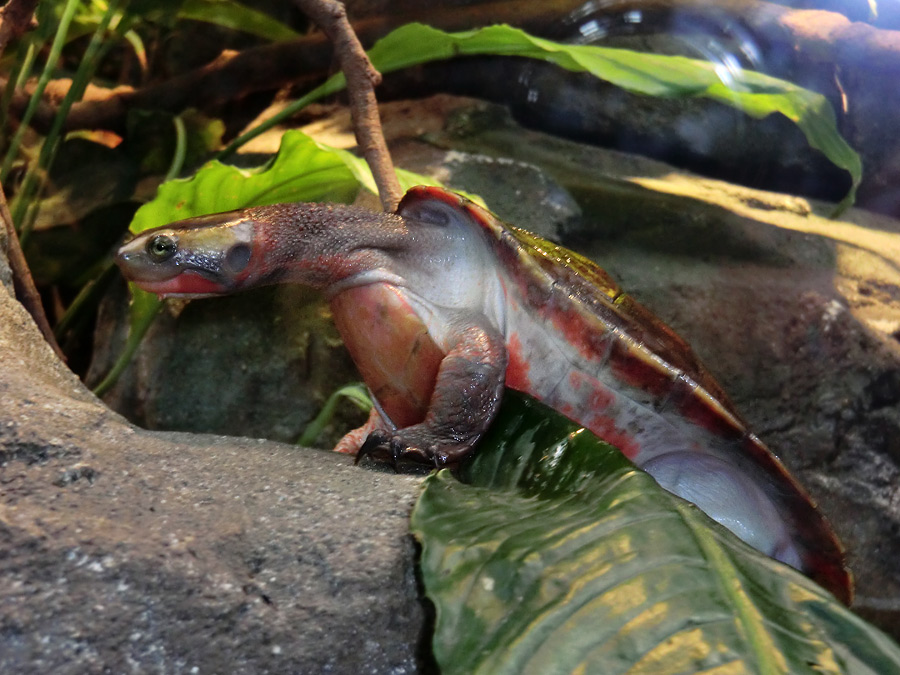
411, 445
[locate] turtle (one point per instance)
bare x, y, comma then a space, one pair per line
443, 306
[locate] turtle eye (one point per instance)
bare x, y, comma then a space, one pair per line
161, 247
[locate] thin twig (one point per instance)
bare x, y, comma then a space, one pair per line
16, 17
331, 17
23, 284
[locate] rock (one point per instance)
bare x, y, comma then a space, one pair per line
256, 364
127, 550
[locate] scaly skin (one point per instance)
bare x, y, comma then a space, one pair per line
441, 305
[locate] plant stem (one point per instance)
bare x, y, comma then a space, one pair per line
23, 284
55, 50
135, 335
35, 177
88, 296
15, 18
356, 392
331, 17
180, 149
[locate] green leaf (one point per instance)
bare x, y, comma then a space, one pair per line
303, 170
236, 16
356, 392
562, 557
755, 94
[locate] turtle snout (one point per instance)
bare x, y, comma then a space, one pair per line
137, 265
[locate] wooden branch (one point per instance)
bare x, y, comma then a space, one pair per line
23, 283
16, 17
362, 78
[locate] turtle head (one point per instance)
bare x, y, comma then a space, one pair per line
208, 255
316, 245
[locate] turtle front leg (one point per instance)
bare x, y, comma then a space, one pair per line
465, 400
352, 441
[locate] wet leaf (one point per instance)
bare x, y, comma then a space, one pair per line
560, 556
236, 16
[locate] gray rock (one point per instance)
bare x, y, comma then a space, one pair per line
123, 550
259, 364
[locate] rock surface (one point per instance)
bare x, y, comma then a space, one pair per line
258, 364
123, 550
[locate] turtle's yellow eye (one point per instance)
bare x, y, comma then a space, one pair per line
161, 247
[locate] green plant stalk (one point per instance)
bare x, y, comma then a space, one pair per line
137, 46
356, 392
31, 52
17, 76
35, 177
55, 50
135, 335
180, 148
333, 85
87, 296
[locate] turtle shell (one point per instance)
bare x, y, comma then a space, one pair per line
562, 287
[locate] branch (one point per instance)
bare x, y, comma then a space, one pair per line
331, 17
16, 17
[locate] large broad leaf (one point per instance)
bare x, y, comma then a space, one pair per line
561, 557
754, 93
236, 16
303, 170
651, 74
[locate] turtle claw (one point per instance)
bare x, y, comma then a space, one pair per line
410, 445
381, 446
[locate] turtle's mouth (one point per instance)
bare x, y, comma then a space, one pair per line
184, 285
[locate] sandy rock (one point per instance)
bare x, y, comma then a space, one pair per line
123, 550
